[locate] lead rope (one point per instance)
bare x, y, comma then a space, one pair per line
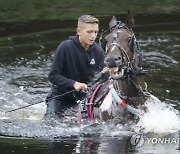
144, 92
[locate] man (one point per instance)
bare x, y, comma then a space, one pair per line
74, 64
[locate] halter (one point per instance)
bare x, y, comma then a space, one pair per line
121, 49
133, 41
129, 70
110, 29
119, 46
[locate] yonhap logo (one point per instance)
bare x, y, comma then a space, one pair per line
137, 140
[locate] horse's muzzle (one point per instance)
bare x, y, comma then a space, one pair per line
114, 65
113, 62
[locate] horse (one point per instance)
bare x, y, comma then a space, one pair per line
128, 88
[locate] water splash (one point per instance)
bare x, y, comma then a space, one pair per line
160, 118
28, 122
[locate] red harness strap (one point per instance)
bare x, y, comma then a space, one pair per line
91, 102
123, 104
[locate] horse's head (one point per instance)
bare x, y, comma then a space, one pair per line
124, 60
120, 47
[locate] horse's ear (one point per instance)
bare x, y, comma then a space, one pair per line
129, 20
113, 22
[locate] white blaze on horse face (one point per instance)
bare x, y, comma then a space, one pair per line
114, 44
119, 31
107, 102
113, 48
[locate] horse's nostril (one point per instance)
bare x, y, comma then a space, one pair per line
106, 62
112, 63
118, 59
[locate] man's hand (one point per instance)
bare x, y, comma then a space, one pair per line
80, 86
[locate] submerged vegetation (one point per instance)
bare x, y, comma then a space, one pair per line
23, 10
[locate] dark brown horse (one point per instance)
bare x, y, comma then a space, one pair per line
124, 60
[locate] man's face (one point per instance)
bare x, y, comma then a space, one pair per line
87, 33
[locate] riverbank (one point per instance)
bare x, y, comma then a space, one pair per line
22, 10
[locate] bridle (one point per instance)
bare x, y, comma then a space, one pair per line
128, 65
123, 52
133, 43
110, 47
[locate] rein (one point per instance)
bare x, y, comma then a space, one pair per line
141, 92
58, 96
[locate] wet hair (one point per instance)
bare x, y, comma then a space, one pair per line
87, 19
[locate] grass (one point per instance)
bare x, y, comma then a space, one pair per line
23, 10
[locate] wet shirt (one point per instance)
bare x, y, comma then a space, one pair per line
72, 63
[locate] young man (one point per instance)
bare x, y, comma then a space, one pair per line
74, 64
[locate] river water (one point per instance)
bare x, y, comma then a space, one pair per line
26, 51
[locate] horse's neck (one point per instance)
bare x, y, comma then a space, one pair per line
130, 89
128, 86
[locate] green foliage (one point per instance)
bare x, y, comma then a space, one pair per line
20, 10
